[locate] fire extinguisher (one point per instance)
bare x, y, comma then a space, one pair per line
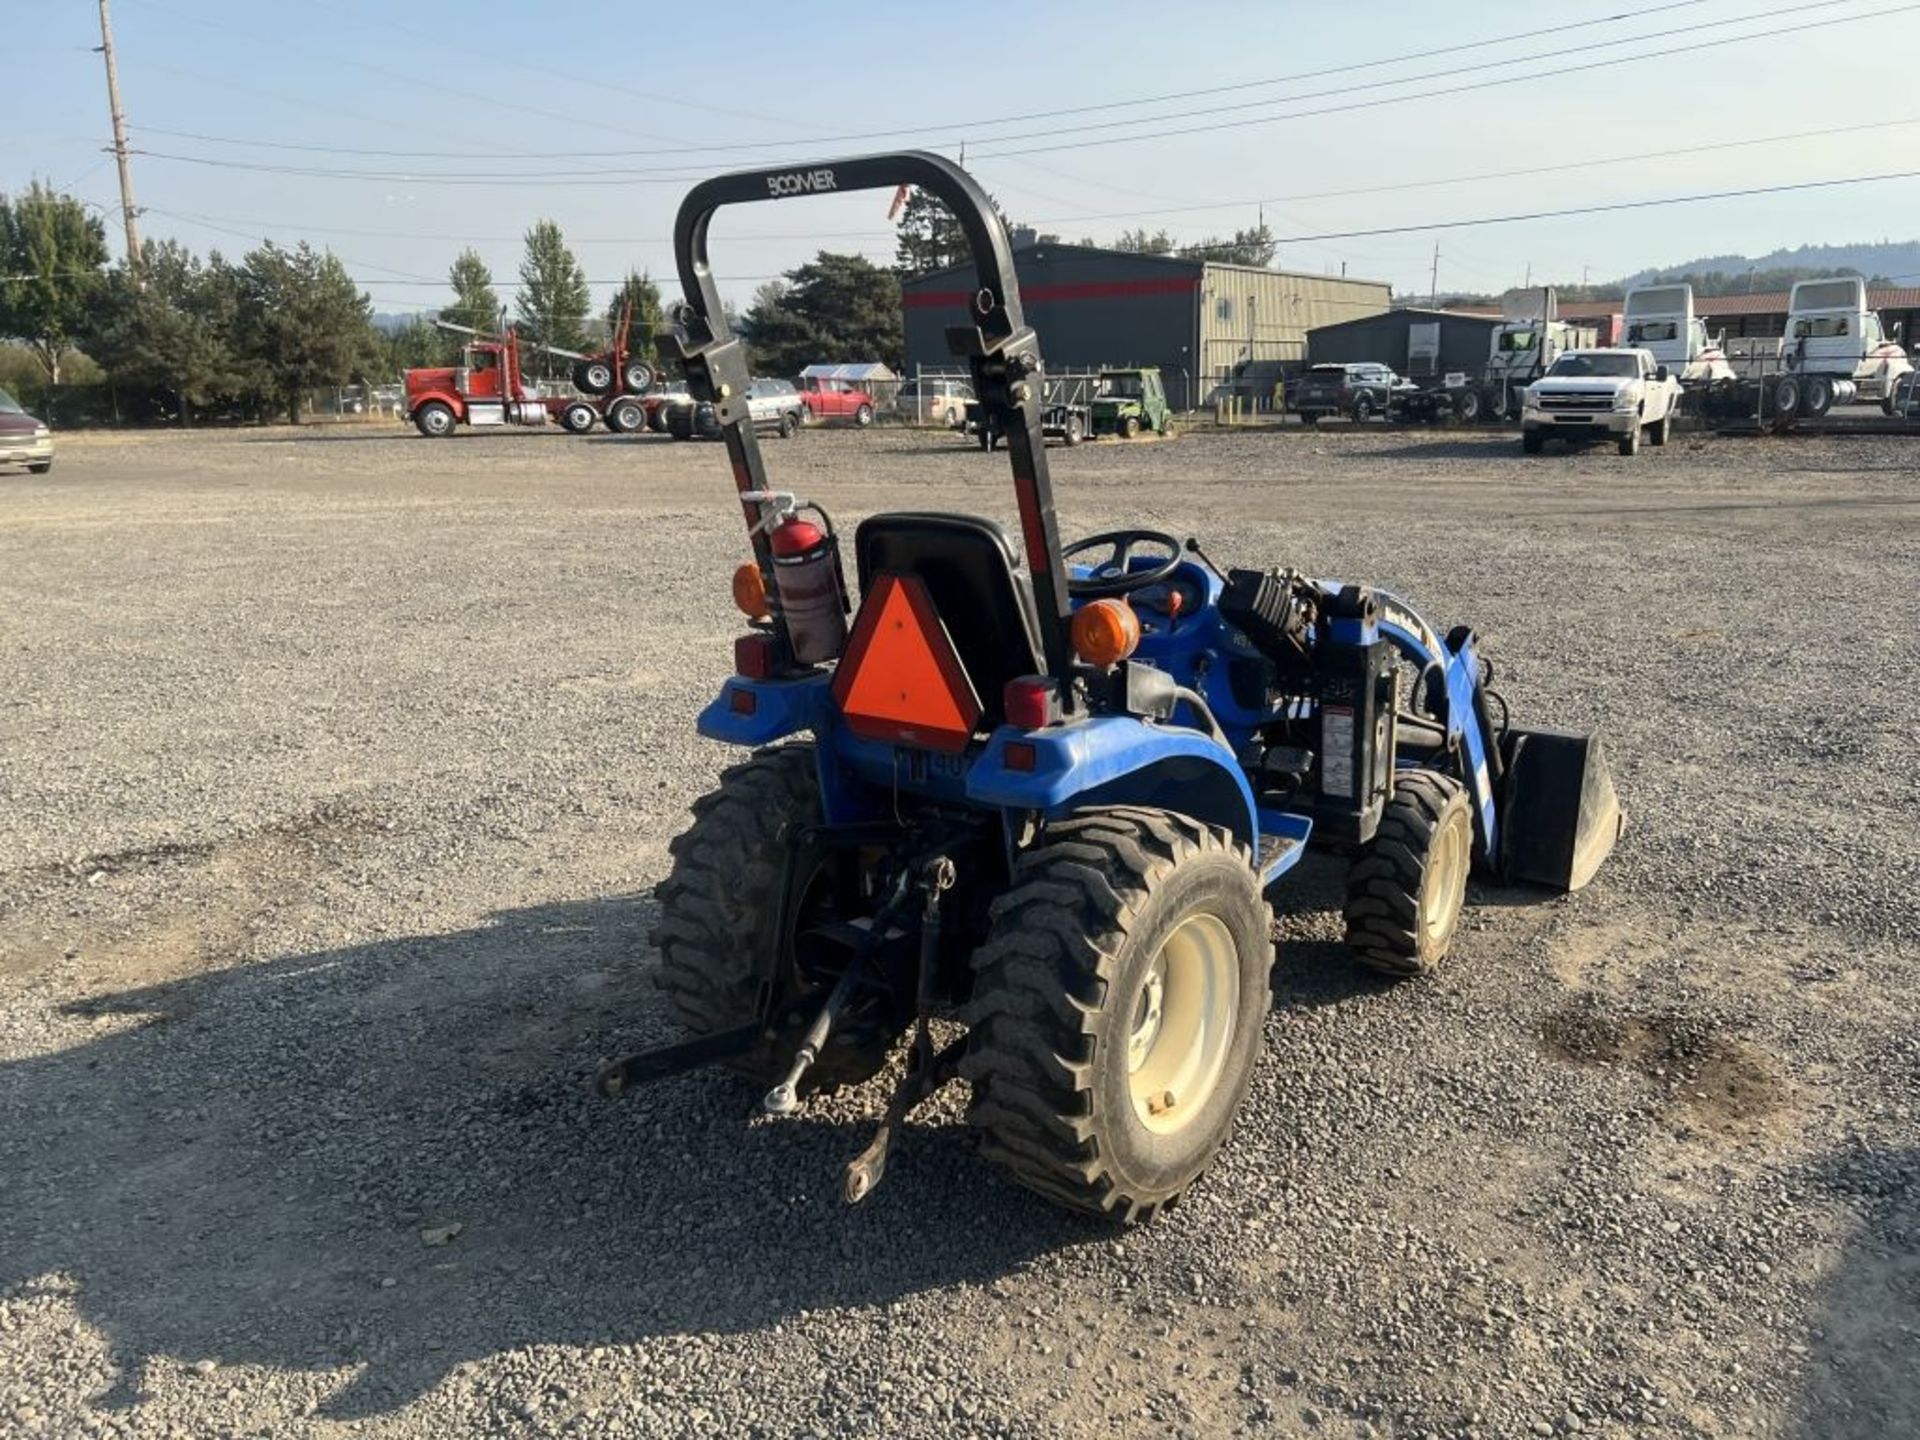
812, 588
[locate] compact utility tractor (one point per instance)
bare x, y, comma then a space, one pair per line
1044, 791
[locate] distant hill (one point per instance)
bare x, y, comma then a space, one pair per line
1898, 260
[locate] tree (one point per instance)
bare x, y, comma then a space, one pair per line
302, 323
167, 335
834, 308
51, 256
475, 303
414, 344
649, 316
553, 290
1139, 242
1247, 247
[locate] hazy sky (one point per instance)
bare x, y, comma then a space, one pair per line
521, 105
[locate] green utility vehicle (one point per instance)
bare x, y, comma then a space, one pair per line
1125, 402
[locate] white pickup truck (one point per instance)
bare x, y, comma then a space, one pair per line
1590, 394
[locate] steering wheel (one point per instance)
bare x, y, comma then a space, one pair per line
1112, 576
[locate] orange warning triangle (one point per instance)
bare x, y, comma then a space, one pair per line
900, 678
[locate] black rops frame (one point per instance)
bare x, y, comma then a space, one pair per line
999, 348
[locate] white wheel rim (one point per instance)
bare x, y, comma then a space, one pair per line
1440, 891
1181, 1024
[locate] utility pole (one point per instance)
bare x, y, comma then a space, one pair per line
127, 208
1433, 282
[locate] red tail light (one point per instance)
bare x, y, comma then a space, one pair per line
1029, 701
755, 656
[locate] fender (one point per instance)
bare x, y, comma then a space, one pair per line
1460, 669
453, 401
758, 712
1118, 760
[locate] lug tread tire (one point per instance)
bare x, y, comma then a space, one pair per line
715, 902
1039, 1013
1383, 887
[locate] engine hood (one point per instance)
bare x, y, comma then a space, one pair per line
1584, 384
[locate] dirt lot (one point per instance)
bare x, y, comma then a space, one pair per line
338, 767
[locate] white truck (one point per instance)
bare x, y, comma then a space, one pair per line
1836, 350
1660, 319
1531, 338
1590, 395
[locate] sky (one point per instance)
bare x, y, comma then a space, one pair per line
1319, 118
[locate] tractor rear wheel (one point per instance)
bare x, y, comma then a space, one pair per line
1406, 889
720, 910
1118, 1007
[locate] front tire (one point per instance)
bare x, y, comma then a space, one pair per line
1362, 410
1532, 442
1660, 430
39, 467
1118, 1008
434, 420
1406, 890
1073, 431
1129, 426
1630, 441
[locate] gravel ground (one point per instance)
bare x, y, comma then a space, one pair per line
338, 766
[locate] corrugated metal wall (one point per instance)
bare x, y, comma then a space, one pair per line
1464, 340
1262, 316
1094, 308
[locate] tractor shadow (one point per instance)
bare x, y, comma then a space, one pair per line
1858, 1376
265, 1166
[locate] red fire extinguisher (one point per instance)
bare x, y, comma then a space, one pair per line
812, 588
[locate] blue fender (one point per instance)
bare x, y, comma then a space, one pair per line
1118, 760
758, 712
1460, 671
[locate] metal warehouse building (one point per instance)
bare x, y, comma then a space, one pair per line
1202, 322
1414, 342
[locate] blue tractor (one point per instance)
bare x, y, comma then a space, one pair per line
1045, 791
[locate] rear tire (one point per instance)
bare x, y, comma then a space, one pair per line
1630, 442
788, 425
1786, 399
1406, 889
863, 417
39, 467
1118, 1008
593, 376
627, 416
1466, 408
1819, 396
1362, 410
434, 420
720, 908
1129, 426
637, 377
1658, 432
1074, 431
578, 418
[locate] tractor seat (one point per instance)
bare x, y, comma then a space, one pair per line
978, 588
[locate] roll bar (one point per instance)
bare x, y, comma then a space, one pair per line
1000, 349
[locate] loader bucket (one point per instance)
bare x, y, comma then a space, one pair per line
1559, 817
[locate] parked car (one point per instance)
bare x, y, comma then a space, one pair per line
934, 402
24, 439
774, 405
1359, 391
838, 400
1600, 394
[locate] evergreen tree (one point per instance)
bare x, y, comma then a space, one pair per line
302, 322
649, 315
475, 303
52, 253
553, 300
168, 337
834, 308
1247, 247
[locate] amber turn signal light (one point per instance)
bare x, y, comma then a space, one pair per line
1105, 632
750, 592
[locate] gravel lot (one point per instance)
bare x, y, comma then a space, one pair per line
336, 770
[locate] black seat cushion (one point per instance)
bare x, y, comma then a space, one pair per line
977, 587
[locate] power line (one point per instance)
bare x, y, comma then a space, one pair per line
602, 176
